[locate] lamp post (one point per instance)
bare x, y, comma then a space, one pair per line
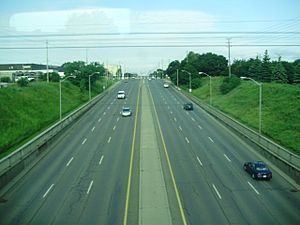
90, 84
60, 81
190, 82
210, 89
260, 99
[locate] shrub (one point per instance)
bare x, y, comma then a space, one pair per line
196, 83
5, 79
23, 82
229, 83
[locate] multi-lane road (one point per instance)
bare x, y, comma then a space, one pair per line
91, 173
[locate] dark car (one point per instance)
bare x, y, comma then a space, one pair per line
188, 106
258, 170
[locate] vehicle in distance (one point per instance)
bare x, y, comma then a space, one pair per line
188, 106
126, 111
166, 85
258, 170
121, 95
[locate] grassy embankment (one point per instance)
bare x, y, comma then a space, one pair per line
26, 111
280, 108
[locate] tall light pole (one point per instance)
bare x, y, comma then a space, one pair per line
190, 81
177, 78
60, 81
90, 97
210, 89
260, 99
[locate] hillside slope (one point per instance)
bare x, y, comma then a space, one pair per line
280, 108
27, 110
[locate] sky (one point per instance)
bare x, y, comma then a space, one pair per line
142, 36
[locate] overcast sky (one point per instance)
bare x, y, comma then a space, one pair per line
145, 35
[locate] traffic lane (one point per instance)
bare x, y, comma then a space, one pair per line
200, 205
48, 167
107, 198
71, 186
236, 186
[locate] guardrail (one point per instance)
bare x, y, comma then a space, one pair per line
280, 156
23, 157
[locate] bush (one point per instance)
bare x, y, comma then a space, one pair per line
5, 79
229, 83
23, 82
196, 83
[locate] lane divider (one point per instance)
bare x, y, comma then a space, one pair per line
256, 191
69, 162
91, 184
84, 141
216, 190
48, 190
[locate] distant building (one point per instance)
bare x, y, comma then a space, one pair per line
26, 69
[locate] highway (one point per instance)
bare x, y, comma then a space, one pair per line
83, 179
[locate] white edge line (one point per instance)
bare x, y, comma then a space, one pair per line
83, 141
69, 162
199, 161
48, 190
101, 160
91, 184
227, 158
253, 188
217, 192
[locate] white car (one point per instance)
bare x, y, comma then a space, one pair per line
166, 85
126, 111
121, 95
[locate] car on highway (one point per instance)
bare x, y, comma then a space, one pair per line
258, 170
188, 106
166, 85
121, 95
126, 111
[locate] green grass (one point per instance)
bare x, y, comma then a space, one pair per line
26, 111
280, 108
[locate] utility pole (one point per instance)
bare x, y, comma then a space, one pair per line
47, 61
229, 63
86, 56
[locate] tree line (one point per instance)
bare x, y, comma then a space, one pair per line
263, 70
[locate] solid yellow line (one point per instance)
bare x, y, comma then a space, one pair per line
169, 164
131, 159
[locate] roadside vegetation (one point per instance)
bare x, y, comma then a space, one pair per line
26, 110
280, 108
240, 98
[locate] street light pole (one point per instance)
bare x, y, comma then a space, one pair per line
177, 78
260, 101
60, 108
210, 89
190, 81
90, 97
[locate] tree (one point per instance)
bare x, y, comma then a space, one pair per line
255, 68
266, 70
279, 72
297, 74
